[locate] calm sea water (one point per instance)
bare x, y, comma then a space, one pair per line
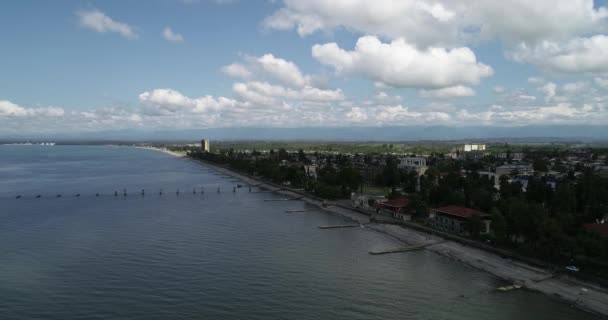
208, 256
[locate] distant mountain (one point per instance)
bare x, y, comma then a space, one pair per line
410, 133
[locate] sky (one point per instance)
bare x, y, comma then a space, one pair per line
89, 66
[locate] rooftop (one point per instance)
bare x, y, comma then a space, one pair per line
460, 211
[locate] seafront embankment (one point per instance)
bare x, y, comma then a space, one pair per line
582, 294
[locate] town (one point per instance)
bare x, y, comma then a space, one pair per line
545, 201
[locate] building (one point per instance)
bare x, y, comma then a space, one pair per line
515, 169
474, 147
457, 219
417, 164
515, 156
365, 201
397, 208
205, 145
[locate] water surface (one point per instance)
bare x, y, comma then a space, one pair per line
208, 256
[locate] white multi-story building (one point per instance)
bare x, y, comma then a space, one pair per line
474, 147
205, 145
414, 163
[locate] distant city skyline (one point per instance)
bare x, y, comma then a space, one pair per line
70, 67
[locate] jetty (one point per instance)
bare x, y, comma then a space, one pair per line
508, 288
284, 199
405, 249
294, 211
340, 226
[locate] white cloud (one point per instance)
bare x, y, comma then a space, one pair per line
263, 93
236, 70
536, 80
400, 64
578, 55
398, 114
444, 22
269, 68
356, 114
448, 92
281, 70
9, 109
100, 22
551, 114
171, 36
575, 87
549, 90
168, 102
601, 82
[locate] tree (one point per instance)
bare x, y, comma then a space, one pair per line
499, 225
475, 225
539, 165
418, 206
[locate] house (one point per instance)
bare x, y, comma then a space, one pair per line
397, 208
456, 219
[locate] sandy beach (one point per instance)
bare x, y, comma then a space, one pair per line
586, 296
164, 150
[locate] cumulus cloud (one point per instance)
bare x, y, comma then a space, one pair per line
168, 102
578, 55
448, 92
271, 68
548, 90
444, 22
264, 93
236, 70
403, 115
282, 70
171, 36
356, 114
9, 109
401, 64
98, 21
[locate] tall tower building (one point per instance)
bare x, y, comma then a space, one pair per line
205, 145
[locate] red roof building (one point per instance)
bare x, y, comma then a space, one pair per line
459, 211
397, 208
456, 219
600, 228
394, 205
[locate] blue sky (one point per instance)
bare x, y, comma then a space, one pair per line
70, 66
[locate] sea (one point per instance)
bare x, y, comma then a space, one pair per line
110, 232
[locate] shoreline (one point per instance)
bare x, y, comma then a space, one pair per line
583, 295
163, 150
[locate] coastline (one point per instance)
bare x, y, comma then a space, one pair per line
583, 295
163, 150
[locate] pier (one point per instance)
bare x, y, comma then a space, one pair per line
340, 226
295, 211
284, 199
405, 249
